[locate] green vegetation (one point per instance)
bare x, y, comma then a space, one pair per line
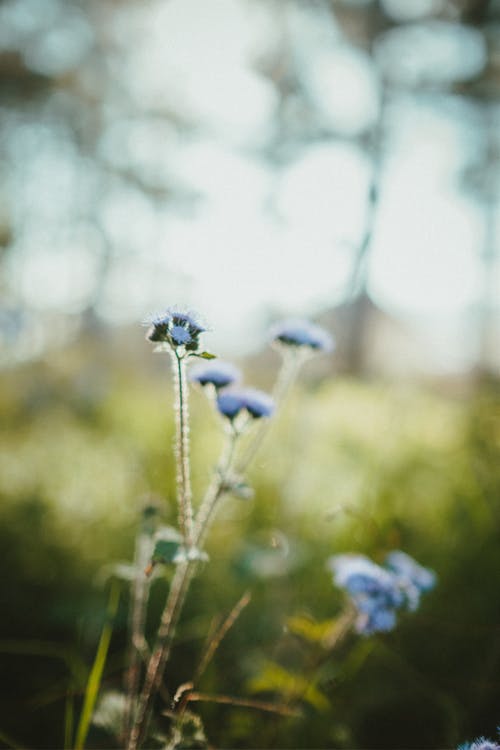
368, 467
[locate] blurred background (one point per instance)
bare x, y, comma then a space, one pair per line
254, 159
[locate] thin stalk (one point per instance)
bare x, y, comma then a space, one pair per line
220, 633
291, 363
216, 488
176, 597
177, 594
184, 493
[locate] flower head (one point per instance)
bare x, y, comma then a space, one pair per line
374, 591
413, 578
379, 592
217, 373
175, 328
480, 744
233, 401
302, 333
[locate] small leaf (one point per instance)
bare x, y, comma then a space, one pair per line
242, 490
237, 486
165, 551
275, 679
167, 543
310, 630
205, 355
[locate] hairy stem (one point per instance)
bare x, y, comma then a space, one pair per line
216, 488
184, 494
292, 361
177, 594
176, 597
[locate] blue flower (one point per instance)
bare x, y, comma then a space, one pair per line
413, 578
217, 373
374, 591
480, 744
379, 592
176, 328
233, 401
302, 333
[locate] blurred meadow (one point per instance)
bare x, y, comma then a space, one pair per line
253, 160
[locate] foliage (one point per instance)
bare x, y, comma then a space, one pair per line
388, 467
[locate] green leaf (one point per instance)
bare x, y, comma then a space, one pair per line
166, 545
310, 630
205, 355
165, 551
294, 687
95, 676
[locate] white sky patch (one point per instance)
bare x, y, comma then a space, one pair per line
425, 258
428, 235
56, 278
203, 70
261, 234
222, 175
324, 192
343, 86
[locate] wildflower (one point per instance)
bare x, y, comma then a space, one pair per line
176, 328
379, 592
219, 374
413, 578
374, 591
480, 744
302, 333
233, 401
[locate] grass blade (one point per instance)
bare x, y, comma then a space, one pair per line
95, 676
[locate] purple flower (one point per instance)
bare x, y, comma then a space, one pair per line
232, 401
216, 373
176, 328
302, 333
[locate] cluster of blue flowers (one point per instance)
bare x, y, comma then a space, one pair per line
379, 592
223, 376
176, 328
231, 400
